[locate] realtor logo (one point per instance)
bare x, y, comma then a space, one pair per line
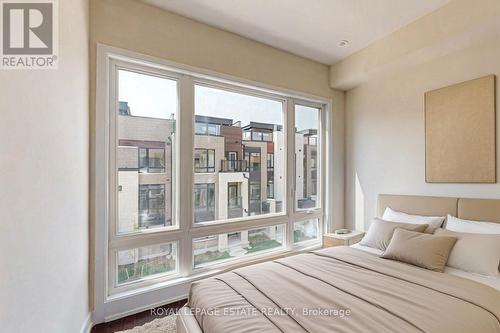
29, 34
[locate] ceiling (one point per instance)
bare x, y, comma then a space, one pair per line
309, 28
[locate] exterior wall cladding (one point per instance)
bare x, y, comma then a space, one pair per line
238, 173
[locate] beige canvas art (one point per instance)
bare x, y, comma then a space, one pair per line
460, 133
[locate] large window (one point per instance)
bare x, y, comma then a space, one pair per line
197, 173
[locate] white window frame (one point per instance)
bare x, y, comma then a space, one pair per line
112, 301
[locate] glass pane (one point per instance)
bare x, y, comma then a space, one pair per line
143, 160
305, 230
267, 136
239, 134
156, 158
254, 162
211, 160
137, 263
146, 130
151, 206
223, 247
306, 156
256, 136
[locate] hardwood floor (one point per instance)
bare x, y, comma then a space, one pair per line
137, 319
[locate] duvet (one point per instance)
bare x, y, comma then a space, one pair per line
342, 289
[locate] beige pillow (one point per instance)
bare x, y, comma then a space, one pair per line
380, 232
475, 253
423, 250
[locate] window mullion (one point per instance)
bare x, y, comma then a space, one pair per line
186, 170
290, 169
323, 172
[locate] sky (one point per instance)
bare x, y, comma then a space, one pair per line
156, 97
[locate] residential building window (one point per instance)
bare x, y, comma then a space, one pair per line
270, 189
207, 129
314, 159
232, 158
151, 206
151, 160
270, 175
255, 206
253, 160
256, 136
204, 160
267, 136
204, 203
270, 162
234, 201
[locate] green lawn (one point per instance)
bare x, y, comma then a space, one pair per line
261, 242
210, 256
144, 268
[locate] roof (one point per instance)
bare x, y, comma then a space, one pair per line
213, 120
267, 126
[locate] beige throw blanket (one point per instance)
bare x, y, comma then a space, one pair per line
342, 290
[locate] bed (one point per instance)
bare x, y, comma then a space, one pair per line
350, 289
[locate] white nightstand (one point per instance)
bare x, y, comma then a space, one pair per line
353, 237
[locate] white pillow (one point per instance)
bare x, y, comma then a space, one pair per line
433, 222
475, 253
473, 227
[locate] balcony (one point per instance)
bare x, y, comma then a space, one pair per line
233, 166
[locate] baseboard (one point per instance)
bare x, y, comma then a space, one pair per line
143, 308
87, 324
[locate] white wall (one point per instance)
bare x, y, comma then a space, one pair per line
44, 135
385, 143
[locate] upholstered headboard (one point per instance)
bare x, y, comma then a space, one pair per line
468, 209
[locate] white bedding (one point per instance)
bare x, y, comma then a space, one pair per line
489, 281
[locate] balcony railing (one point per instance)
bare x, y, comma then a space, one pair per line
233, 166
